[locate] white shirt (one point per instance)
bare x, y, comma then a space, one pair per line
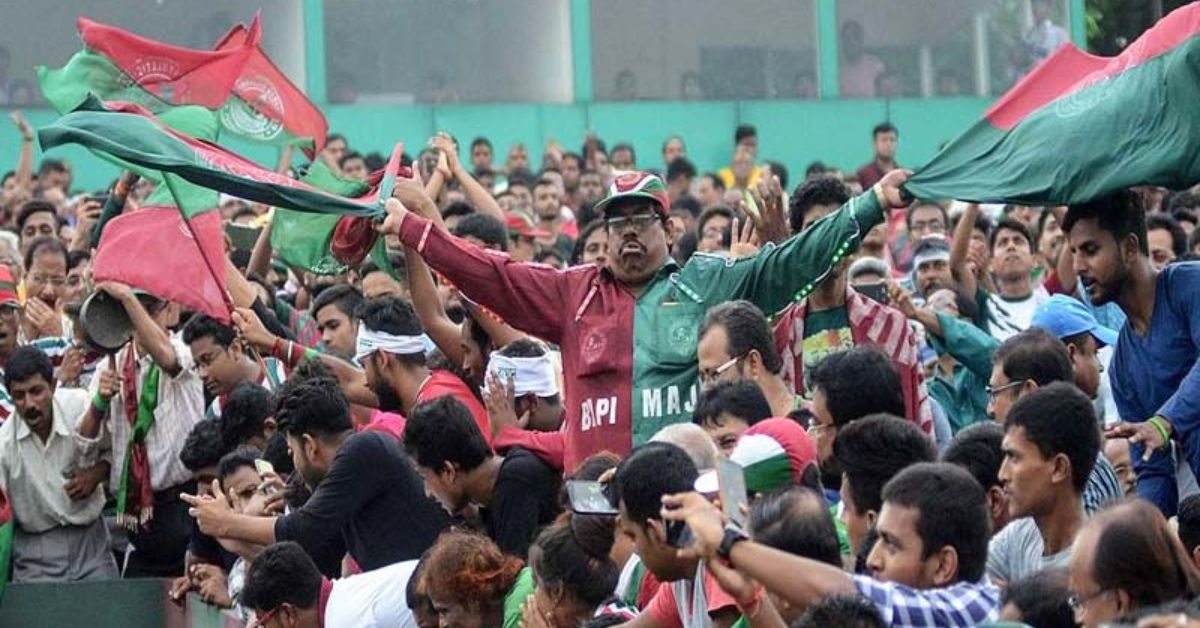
34, 474
372, 599
180, 407
1008, 317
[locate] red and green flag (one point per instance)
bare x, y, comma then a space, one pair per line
245, 93
6, 539
1080, 126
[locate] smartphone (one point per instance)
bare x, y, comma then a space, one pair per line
732, 479
877, 292
589, 498
679, 534
99, 198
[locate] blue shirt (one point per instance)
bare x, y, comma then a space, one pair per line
1157, 373
960, 604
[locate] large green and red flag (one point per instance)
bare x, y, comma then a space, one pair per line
6, 539
1080, 126
245, 92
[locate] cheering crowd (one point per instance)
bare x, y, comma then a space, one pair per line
941, 413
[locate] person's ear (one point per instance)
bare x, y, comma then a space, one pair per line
656, 531
310, 445
1131, 248
870, 516
269, 427
997, 503
1061, 471
1124, 602
1027, 387
1072, 353
448, 471
944, 566
755, 361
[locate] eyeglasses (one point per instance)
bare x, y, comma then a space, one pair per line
815, 429
708, 377
1079, 602
992, 392
57, 282
640, 222
266, 617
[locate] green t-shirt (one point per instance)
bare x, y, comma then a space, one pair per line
520, 592
825, 333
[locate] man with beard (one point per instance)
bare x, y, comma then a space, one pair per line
547, 208
628, 331
1154, 374
367, 497
391, 350
57, 504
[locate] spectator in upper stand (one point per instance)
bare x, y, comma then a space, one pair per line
728, 409
884, 139
742, 173
483, 230
859, 71
713, 228
673, 148
1050, 446
523, 236
1166, 239
710, 190
571, 167
926, 218
334, 310
481, 153
367, 498
978, 449
680, 173
591, 188
353, 166
517, 159
834, 317
775, 169
547, 208
36, 219
519, 186
592, 245
622, 157
515, 494
1039, 600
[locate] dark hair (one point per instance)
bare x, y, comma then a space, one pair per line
680, 167
951, 510
391, 315
1136, 552
918, 204
742, 399
1179, 237
282, 573
689, 204
457, 208
779, 170
717, 181
573, 554
1183, 214
246, 410
859, 382
1034, 354
348, 156
236, 459
51, 165
203, 447
1189, 522
747, 329
1120, 214
843, 611
796, 520
276, 452
481, 140
711, 212
646, 474
624, 146
1059, 419
485, 228
313, 406
443, 430
205, 326
398, 270
345, 297
977, 449
75, 258
333, 137
25, 363
29, 208
581, 242
1012, 224
1041, 598
48, 244
744, 131
523, 348
884, 127
872, 450
817, 191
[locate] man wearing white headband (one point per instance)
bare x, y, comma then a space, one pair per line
535, 383
391, 349
931, 266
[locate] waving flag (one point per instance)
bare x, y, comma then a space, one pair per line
1081, 126
6, 539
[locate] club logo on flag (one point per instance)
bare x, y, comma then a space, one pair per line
244, 115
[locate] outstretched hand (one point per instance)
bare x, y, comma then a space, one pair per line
771, 219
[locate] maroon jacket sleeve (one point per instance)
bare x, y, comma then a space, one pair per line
549, 447
530, 297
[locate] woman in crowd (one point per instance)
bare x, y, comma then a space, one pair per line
467, 578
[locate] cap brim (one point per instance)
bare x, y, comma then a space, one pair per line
1105, 336
603, 205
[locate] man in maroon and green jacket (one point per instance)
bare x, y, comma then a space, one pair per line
627, 332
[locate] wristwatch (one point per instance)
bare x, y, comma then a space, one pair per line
733, 535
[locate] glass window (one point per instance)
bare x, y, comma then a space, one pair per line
44, 33
703, 49
978, 47
446, 51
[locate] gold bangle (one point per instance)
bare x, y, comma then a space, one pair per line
880, 196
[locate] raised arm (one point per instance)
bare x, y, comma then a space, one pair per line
528, 296
155, 339
24, 171
959, 249
444, 332
479, 196
260, 257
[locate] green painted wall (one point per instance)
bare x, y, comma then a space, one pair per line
837, 132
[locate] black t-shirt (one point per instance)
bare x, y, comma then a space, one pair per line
524, 499
209, 550
373, 500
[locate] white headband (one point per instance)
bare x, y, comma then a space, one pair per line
369, 342
530, 375
935, 255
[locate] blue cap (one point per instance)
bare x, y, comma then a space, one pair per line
1064, 317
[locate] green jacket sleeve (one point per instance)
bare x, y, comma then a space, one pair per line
778, 275
970, 345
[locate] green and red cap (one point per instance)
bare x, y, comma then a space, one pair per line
637, 185
8, 288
